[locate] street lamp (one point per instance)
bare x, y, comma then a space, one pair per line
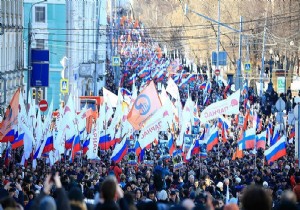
29, 47
271, 62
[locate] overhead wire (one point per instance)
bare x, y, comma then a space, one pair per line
172, 27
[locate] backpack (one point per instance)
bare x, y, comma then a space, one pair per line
111, 171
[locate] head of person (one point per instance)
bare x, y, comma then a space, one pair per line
151, 195
289, 196
256, 198
138, 194
188, 204
47, 203
108, 189
192, 179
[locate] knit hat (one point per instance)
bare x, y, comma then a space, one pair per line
162, 195
47, 203
220, 185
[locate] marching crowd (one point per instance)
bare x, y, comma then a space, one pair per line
214, 181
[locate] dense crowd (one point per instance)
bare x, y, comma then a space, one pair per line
213, 182
210, 182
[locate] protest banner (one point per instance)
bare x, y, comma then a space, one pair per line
228, 106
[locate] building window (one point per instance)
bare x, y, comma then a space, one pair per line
40, 43
40, 14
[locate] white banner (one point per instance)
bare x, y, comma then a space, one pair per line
108, 95
172, 88
228, 106
92, 153
149, 133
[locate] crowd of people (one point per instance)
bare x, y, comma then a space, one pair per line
210, 182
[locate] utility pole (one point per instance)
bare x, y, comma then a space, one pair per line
29, 49
240, 31
97, 45
218, 35
111, 32
263, 59
239, 69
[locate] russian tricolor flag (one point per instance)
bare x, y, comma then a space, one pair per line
9, 137
248, 139
160, 76
141, 156
245, 89
76, 147
208, 88
292, 133
177, 78
171, 145
137, 148
7, 156
49, 145
261, 140
269, 133
36, 154
144, 72
69, 143
105, 142
203, 86
276, 151
224, 132
85, 146
213, 139
191, 78
125, 91
120, 151
276, 135
132, 79
196, 148
18, 141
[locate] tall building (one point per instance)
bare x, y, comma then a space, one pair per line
48, 24
86, 46
11, 49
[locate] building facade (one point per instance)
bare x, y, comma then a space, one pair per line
48, 24
86, 46
11, 49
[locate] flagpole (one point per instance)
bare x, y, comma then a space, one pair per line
218, 148
255, 159
105, 124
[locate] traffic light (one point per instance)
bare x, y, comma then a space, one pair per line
33, 93
40, 95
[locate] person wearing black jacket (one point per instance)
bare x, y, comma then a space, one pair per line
112, 195
61, 198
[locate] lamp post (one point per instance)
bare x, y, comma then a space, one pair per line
271, 62
29, 47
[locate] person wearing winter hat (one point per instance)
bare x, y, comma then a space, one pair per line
76, 199
47, 203
265, 184
162, 196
